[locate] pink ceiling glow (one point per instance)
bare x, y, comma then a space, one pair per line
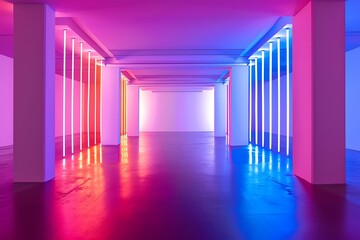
194, 39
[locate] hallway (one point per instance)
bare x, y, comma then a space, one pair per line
177, 186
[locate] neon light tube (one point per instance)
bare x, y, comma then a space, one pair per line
279, 81
81, 94
270, 95
64, 97
287, 90
262, 98
72, 92
101, 69
95, 101
125, 111
250, 99
88, 101
256, 101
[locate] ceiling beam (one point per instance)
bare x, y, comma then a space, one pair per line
173, 65
265, 37
85, 35
178, 84
175, 52
224, 76
129, 75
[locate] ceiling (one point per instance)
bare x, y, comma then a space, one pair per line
172, 42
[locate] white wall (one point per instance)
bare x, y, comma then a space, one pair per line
177, 111
111, 95
353, 99
6, 101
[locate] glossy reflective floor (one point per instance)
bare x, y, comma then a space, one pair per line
177, 186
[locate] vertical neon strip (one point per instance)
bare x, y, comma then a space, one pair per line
270, 95
227, 110
72, 92
125, 83
101, 66
122, 105
88, 102
250, 99
64, 97
256, 101
278, 97
262, 98
287, 91
95, 80
81, 95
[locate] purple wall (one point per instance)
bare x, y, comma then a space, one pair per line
353, 99
177, 111
6, 101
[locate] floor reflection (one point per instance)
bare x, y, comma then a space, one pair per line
177, 186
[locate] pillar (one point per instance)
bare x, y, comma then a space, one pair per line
238, 115
132, 111
319, 92
34, 93
220, 110
111, 106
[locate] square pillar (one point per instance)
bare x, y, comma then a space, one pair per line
111, 95
220, 110
34, 93
132, 115
238, 107
319, 92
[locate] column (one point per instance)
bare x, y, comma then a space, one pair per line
220, 110
34, 93
111, 106
239, 116
319, 92
132, 111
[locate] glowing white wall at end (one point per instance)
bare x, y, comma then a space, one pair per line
177, 110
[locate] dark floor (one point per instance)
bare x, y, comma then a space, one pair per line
178, 186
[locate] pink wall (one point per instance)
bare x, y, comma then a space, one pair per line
58, 105
6, 101
177, 110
